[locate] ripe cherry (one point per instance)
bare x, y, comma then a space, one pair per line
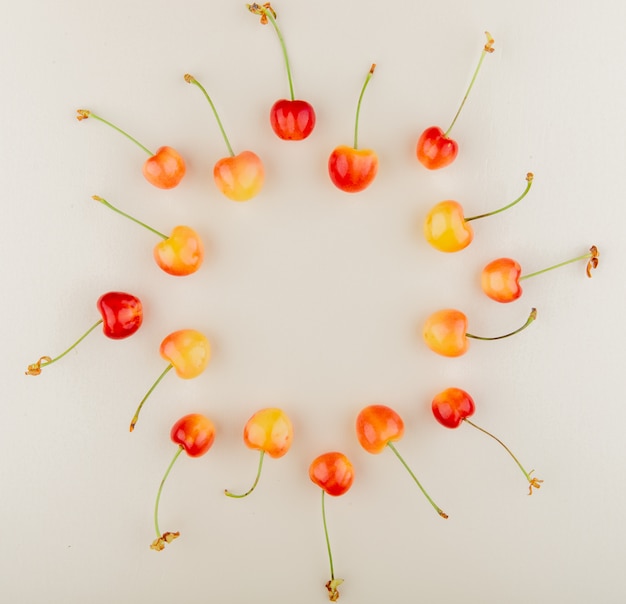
268, 431
291, 119
453, 405
352, 169
500, 278
447, 230
435, 149
180, 254
377, 426
445, 332
194, 434
334, 474
239, 177
163, 169
122, 315
188, 352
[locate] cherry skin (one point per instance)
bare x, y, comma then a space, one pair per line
435, 150
292, 120
180, 254
500, 280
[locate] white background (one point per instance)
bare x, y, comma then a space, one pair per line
313, 301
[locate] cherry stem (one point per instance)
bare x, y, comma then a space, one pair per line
267, 14
191, 80
531, 317
488, 48
358, 107
534, 482
529, 182
256, 481
158, 497
83, 114
145, 398
330, 554
112, 207
592, 255
408, 469
35, 368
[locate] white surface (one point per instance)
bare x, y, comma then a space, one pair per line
313, 300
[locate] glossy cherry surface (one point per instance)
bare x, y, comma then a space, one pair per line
500, 280
376, 426
122, 314
333, 472
180, 254
445, 332
451, 406
240, 177
445, 227
292, 120
188, 351
435, 150
165, 169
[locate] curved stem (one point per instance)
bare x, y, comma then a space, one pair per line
83, 114
256, 481
417, 482
529, 182
592, 255
158, 497
112, 207
145, 398
531, 317
534, 482
488, 48
358, 107
330, 553
191, 80
35, 368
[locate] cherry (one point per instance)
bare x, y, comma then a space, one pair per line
500, 278
268, 431
445, 332
352, 169
194, 434
163, 169
122, 315
435, 149
188, 352
377, 427
447, 230
291, 119
239, 177
180, 254
453, 405
334, 474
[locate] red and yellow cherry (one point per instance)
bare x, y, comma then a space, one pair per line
291, 119
379, 426
239, 177
180, 254
435, 149
445, 332
122, 315
352, 169
188, 352
194, 434
446, 228
268, 431
163, 169
453, 406
333, 472
500, 279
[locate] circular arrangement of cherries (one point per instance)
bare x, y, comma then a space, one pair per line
239, 177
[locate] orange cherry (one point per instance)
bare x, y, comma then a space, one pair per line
445, 332
268, 431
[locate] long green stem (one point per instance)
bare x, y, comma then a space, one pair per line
593, 254
358, 107
531, 317
143, 224
191, 80
488, 48
145, 398
83, 114
35, 368
158, 497
529, 182
417, 482
256, 481
330, 553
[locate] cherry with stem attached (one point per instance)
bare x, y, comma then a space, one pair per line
291, 119
239, 177
121, 316
352, 169
377, 427
500, 279
163, 169
447, 230
453, 405
435, 149
194, 434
